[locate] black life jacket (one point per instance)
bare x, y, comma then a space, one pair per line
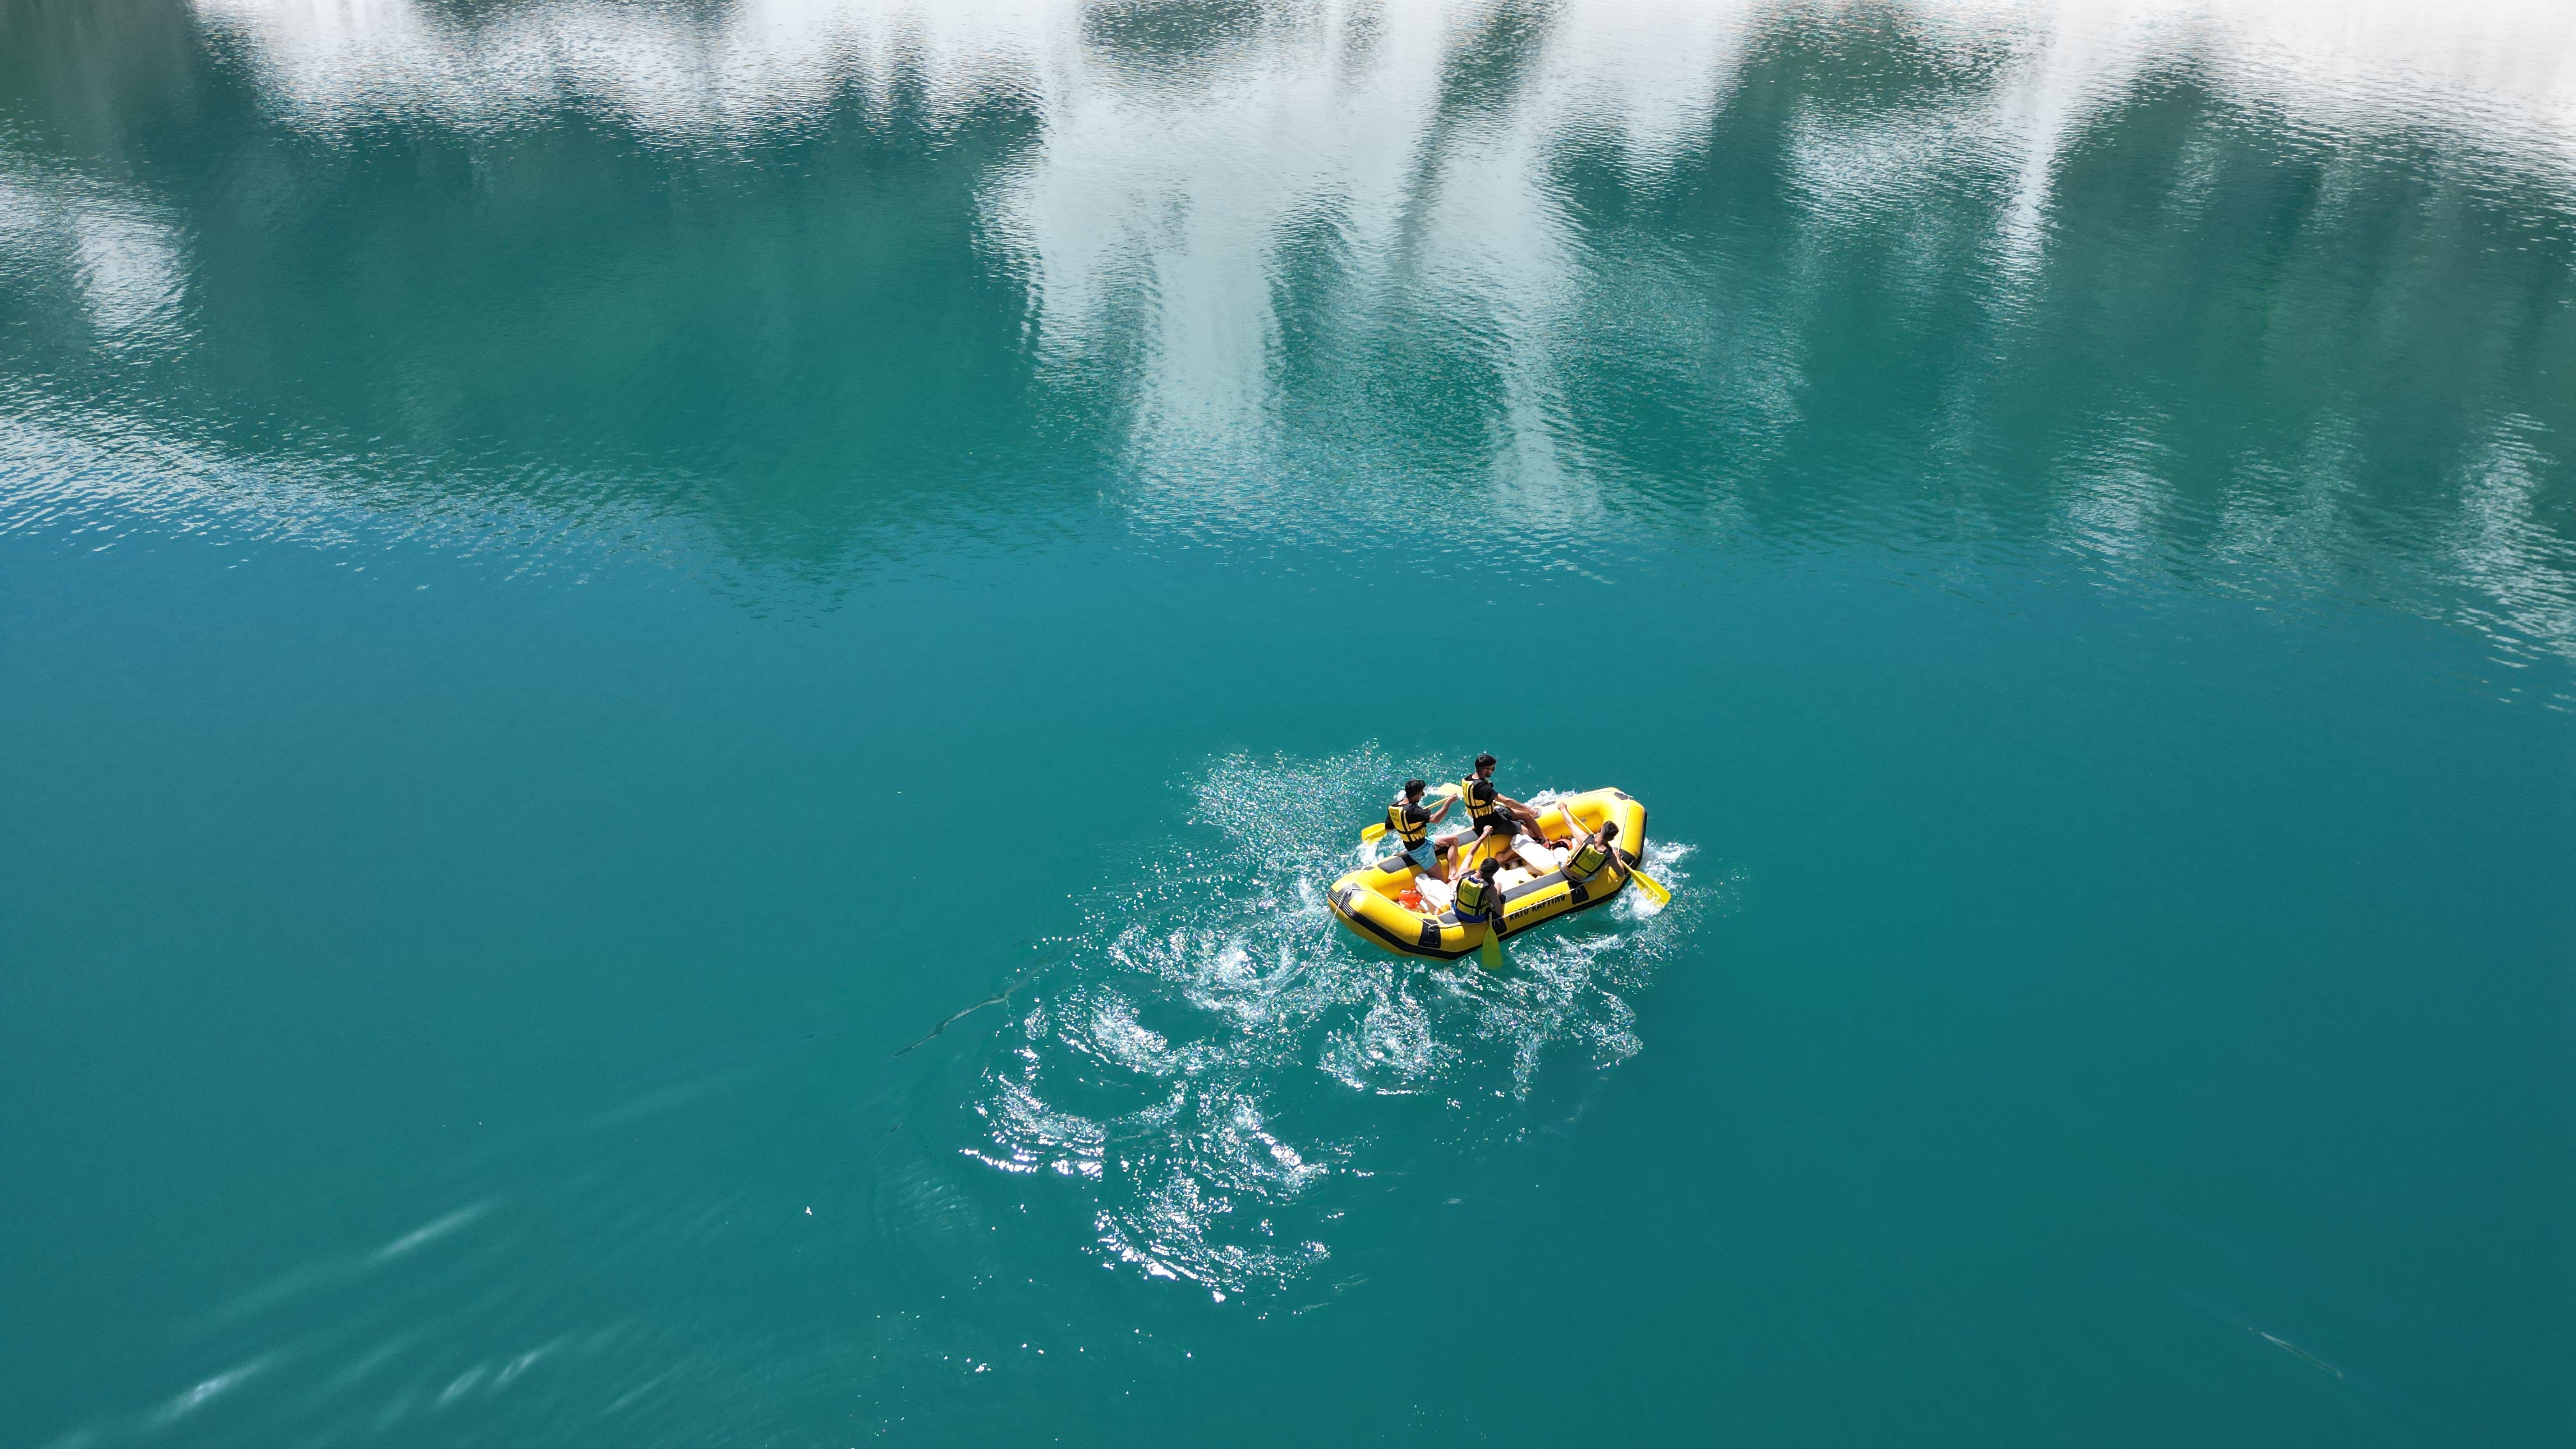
1400, 824
1473, 896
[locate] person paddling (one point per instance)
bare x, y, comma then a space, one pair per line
1479, 900
1411, 824
1589, 855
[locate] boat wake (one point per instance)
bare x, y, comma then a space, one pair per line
1227, 1075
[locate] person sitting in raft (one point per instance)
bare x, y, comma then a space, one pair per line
1410, 824
1485, 804
1589, 855
1480, 901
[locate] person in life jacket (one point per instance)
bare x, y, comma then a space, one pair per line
1589, 855
1410, 825
1489, 812
1480, 901
1490, 807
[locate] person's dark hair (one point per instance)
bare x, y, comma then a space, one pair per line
1484, 762
1485, 868
1609, 829
1413, 789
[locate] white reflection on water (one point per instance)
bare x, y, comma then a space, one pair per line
2498, 67
1186, 179
124, 255
2498, 543
2497, 73
669, 71
1181, 161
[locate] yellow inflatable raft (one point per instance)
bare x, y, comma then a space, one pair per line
1369, 900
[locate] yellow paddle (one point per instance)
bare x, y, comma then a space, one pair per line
1653, 888
1372, 832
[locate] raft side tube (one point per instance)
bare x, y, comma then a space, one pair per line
1364, 900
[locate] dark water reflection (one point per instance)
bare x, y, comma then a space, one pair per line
786, 276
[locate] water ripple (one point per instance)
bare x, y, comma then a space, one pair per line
1225, 1074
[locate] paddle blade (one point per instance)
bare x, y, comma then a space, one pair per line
1491, 953
1653, 888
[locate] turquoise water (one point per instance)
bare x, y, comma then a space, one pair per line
676, 684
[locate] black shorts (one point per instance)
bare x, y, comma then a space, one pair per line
1502, 825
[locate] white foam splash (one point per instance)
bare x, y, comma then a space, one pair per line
1205, 1060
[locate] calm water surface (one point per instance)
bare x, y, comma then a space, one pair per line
676, 679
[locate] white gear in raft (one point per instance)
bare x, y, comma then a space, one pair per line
1370, 900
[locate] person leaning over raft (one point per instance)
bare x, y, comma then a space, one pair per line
1410, 824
